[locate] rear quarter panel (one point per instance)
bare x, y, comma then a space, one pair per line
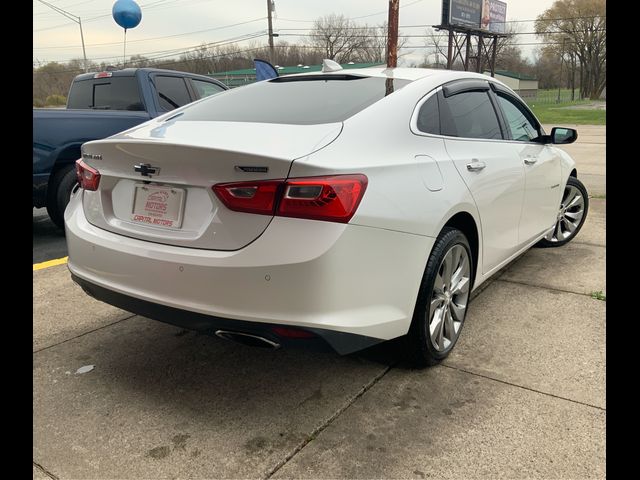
402, 193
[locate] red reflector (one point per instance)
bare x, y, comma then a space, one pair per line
88, 177
250, 197
292, 332
334, 198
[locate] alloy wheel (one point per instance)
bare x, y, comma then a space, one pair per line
449, 298
569, 216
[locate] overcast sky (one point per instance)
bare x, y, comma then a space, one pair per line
169, 26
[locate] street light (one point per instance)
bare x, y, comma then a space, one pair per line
76, 19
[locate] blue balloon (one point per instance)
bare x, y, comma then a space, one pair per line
126, 13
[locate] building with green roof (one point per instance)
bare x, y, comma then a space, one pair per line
524, 85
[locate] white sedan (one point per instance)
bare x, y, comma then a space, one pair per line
345, 208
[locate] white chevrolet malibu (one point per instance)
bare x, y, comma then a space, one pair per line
340, 208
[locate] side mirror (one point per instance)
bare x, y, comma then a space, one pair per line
561, 135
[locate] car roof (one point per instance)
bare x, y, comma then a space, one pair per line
402, 73
130, 72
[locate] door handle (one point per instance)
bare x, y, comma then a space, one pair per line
475, 166
530, 160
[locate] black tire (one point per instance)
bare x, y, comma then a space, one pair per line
59, 193
419, 350
553, 241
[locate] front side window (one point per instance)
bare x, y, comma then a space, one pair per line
172, 92
522, 128
469, 115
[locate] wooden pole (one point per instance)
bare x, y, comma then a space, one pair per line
392, 33
270, 31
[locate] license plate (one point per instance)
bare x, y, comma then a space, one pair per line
158, 205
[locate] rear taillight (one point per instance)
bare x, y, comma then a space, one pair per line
333, 198
251, 197
88, 177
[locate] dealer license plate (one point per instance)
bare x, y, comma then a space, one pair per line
158, 205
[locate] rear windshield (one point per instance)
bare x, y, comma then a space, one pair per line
295, 100
113, 93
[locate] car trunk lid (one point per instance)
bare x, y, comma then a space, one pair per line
156, 179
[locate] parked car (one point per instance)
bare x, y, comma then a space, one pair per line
339, 208
99, 105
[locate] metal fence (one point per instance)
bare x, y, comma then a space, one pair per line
233, 81
550, 96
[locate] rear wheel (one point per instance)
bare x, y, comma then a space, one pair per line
59, 193
571, 215
442, 300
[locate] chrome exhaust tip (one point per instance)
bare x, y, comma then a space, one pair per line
247, 339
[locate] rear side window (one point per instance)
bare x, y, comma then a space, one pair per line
204, 89
469, 115
429, 116
172, 92
305, 100
114, 93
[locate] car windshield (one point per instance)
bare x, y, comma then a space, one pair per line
307, 100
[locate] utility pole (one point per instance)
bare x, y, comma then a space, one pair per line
561, 61
269, 9
392, 34
76, 19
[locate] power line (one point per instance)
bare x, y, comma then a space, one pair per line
156, 38
183, 51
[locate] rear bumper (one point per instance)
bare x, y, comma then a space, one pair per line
349, 279
341, 342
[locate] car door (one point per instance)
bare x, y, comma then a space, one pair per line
541, 167
492, 172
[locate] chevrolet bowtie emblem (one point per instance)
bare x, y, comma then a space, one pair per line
146, 170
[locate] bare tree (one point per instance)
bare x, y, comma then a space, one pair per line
581, 26
341, 39
436, 42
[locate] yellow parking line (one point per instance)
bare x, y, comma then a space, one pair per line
50, 263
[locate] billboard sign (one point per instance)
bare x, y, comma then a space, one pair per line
466, 13
489, 15
494, 15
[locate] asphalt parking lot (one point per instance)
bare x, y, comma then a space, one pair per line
521, 396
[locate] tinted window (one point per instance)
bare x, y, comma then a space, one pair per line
115, 93
295, 100
205, 89
522, 128
429, 117
470, 115
172, 92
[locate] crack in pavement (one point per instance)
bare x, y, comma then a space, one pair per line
327, 422
84, 333
544, 287
522, 387
45, 471
590, 244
